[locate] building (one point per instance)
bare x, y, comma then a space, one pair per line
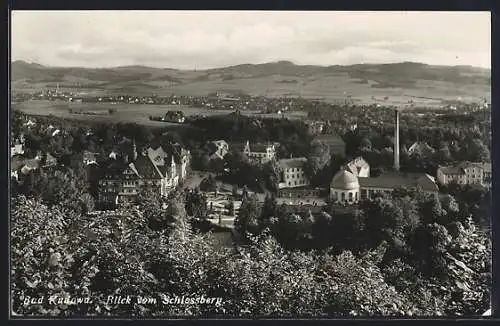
465, 173
174, 116
387, 182
153, 169
347, 188
89, 157
44, 160
359, 167
261, 153
315, 127
421, 148
218, 149
25, 166
17, 149
334, 142
292, 173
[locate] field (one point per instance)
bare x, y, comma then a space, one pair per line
366, 84
137, 113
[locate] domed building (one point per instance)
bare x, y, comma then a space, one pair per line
352, 183
344, 188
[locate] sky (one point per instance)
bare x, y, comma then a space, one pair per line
209, 39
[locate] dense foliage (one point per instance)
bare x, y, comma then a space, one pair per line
421, 243
63, 254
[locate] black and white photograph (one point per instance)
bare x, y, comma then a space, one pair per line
250, 164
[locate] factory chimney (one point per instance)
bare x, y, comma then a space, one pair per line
396, 140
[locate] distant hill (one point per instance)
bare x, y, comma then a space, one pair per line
271, 79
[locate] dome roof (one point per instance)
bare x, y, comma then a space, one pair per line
345, 180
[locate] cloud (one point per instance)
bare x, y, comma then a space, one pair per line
209, 39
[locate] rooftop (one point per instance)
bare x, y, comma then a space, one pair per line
460, 168
259, 147
332, 140
394, 180
421, 147
290, 163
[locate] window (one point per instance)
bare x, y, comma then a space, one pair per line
356, 196
343, 196
350, 196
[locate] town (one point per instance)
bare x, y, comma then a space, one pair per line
245, 187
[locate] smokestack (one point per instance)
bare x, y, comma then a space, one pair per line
396, 140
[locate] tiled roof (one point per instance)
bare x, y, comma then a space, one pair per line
460, 168
146, 168
422, 147
259, 147
398, 180
132, 167
220, 143
289, 163
451, 170
330, 139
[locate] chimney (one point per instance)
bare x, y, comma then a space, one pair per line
396, 140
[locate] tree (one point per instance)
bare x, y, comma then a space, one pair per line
234, 191
430, 209
196, 205
269, 210
366, 144
443, 153
271, 174
217, 165
208, 184
384, 219
451, 209
317, 158
477, 151
247, 219
430, 243
151, 205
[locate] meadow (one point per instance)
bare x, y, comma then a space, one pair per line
136, 113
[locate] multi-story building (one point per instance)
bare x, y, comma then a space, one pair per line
353, 182
465, 173
261, 153
347, 188
292, 173
153, 169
